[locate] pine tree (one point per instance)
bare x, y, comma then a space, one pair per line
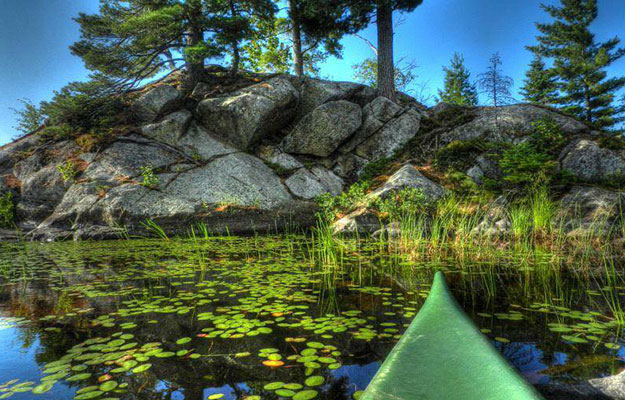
316, 27
540, 85
579, 62
381, 11
458, 87
135, 40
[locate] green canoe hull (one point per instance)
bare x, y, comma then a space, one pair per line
443, 356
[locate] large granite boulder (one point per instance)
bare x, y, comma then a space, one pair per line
408, 177
508, 122
591, 163
323, 130
375, 115
123, 160
277, 157
392, 136
170, 129
315, 92
307, 184
236, 179
198, 144
246, 116
156, 102
587, 208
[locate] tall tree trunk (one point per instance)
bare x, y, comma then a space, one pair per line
386, 63
194, 67
236, 56
588, 105
296, 33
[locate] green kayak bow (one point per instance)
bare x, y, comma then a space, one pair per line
443, 356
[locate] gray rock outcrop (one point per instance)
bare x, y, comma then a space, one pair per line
246, 116
591, 163
323, 130
508, 122
156, 102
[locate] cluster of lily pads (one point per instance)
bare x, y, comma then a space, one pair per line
227, 300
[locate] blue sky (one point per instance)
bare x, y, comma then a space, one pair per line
35, 35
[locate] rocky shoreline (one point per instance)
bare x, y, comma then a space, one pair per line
254, 159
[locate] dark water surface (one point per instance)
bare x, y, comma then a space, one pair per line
251, 318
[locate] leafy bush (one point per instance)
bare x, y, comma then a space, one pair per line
150, 180
522, 164
405, 202
355, 196
68, 170
7, 210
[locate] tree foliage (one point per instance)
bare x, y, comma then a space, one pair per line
131, 41
29, 117
458, 88
495, 84
381, 11
366, 73
579, 62
540, 84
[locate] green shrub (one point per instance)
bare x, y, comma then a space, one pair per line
57, 132
547, 137
7, 210
150, 180
522, 164
68, 170
405, 202
354, 197
615, 181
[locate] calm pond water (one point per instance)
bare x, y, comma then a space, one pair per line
251, 318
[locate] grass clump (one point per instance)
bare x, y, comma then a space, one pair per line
7, 210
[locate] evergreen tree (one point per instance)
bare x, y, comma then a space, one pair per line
134, 40
316, 27
382, 12
540, 85
458, 87
579, 62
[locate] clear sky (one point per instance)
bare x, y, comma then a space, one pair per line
35, 35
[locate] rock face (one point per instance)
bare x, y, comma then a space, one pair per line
245, 117
247, 157
156, 102
310, 184
506, 123
587, 208
407, 177
323, 130
591, 163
